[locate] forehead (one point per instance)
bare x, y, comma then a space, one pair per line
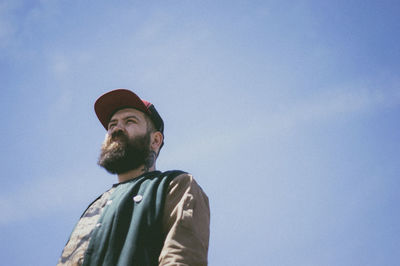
120, 114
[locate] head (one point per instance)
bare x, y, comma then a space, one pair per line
134, 138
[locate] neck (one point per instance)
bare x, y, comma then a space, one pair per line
132, 174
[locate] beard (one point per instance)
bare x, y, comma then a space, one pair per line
119, 153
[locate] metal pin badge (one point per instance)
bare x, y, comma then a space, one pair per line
137, 198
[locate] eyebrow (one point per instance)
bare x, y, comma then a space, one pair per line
125, 118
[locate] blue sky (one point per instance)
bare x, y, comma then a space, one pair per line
286, 112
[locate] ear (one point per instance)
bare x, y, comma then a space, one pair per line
156, 141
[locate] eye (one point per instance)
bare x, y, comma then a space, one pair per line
130, 121
111, 126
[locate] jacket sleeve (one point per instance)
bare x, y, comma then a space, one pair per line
186, 223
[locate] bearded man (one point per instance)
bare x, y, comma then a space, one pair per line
149, 217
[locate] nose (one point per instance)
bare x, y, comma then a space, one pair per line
116, 128
117, 133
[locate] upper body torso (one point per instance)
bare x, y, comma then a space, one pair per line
184, 225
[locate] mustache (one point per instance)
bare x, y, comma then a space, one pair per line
119, 134
115, 139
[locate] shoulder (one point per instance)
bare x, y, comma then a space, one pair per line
184, 181
185, 185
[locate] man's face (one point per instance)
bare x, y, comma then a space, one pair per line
127, 142
129, 120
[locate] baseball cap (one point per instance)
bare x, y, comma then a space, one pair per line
109, 103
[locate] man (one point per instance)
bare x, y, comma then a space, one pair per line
148, 217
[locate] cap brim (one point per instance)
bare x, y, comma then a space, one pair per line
110, 102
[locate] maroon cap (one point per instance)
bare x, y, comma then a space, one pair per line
107, 104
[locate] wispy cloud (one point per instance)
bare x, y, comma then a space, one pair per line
327, 107
333, 103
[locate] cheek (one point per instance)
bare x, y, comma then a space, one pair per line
135, 130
